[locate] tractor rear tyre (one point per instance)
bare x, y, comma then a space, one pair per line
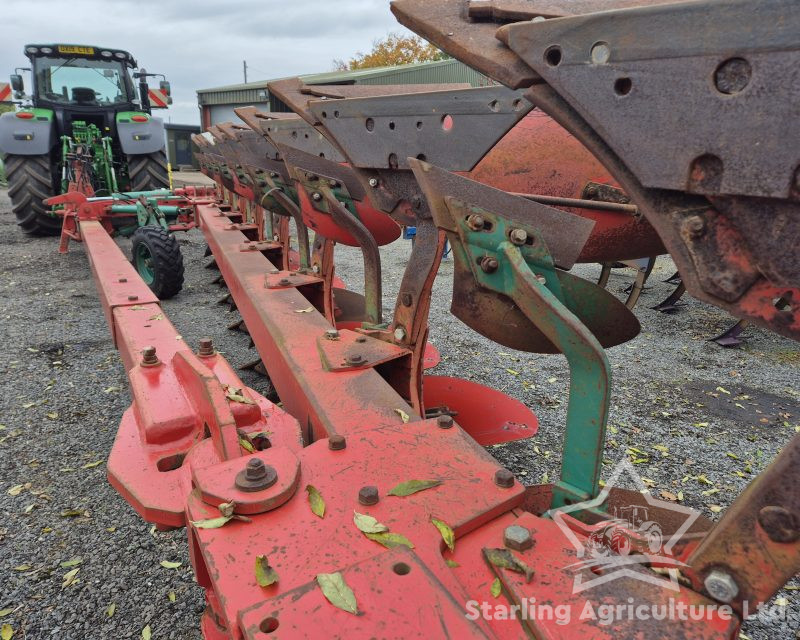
30, 181
148, 171
157, 257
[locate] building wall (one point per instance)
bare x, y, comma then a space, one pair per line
224, 112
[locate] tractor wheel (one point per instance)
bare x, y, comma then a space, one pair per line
157, 257
148, 171
30, 181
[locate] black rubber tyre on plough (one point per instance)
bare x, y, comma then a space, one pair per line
30, 181
157, 257
148, 171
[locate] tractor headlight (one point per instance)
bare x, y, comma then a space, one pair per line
106, 54
119, 55
31, 50
46, 50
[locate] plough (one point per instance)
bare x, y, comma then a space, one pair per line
364, 504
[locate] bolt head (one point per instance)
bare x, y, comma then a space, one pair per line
475, 222
123, 279
332, 334
373, 182
149, 356
489, 264
518, 236
283, 281
406, 299
206, 347
255, 468
316, 196
256, 476
504, 478
444, 421
695, 226
132, 298
368, 495
721, 586
399, 333
355, 358
517, 538
336, 442
361, 339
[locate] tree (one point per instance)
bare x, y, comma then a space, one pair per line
392, 50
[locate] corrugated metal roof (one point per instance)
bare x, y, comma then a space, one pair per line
438, 72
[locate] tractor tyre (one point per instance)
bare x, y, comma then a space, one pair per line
158, 260
148, 171
30, 182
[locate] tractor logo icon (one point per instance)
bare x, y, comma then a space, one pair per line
629, 526
625, 541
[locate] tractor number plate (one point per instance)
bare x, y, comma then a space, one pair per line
88, 51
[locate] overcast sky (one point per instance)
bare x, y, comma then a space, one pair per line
201, 43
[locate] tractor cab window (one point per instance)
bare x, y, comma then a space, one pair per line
81, 81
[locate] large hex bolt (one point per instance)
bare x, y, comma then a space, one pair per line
354, 359
504, 478
368, 495
331, 334
517, 538
256, 476
336, 442
206, 347
518, 236
780, 524
444, 421
721, 586
149, 357
476, 222
695, 226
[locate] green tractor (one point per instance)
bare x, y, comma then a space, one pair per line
82, 127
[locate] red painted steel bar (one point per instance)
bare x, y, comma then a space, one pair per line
178, 398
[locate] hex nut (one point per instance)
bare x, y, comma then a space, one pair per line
721, 586
368, 495
517, 538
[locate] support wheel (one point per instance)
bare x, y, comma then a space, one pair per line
157, 257
30, 181
148, 171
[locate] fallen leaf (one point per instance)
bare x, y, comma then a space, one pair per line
5, 612
28, 405
70, 577
781, 602
227, 509
211, 523
91, 465
413, 486
170, 565
512, 372
403, 415
504, 559
110, 609
74, 513
309, 310
496, 587
245, 444
74, 562
451, 563
551, 380
236, 395
6, 632
721, 390
668, 495
447, 533
53, 415
171, 596
265, 575
18, 488
336, 591
110, 389
22, 567
137, 307
368, 524
146, 633
158, 316
390, 540
715, 508
315, 501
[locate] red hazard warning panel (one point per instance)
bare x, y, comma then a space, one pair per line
5, 92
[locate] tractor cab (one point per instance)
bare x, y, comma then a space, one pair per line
84, 84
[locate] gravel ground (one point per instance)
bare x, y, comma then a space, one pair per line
695, 416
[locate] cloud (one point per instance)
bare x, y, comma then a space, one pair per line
201, 43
